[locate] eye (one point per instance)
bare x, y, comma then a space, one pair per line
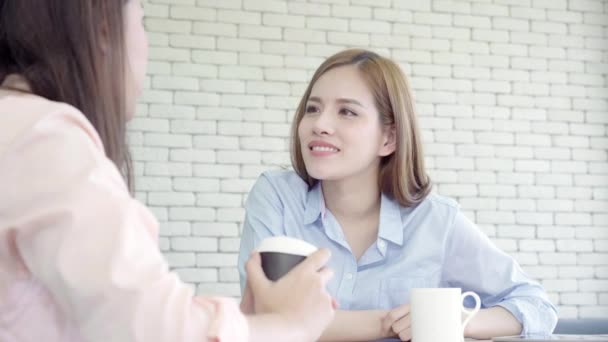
347, 112
312, 109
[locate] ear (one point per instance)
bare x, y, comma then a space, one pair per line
389, 141
104, 38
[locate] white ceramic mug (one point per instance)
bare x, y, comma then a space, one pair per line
436, 314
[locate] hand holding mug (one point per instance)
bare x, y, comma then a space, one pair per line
436, 314
300, 296
398, 323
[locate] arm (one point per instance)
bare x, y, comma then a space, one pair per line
299, 298
474, 263
273, 327
356, 326
93, 246
495, 321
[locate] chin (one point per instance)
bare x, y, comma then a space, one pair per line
130, 106
321, 174
130, 113
315, 173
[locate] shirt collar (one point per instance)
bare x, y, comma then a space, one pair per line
391, 226
315, 204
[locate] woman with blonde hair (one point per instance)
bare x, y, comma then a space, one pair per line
360, 188
79, 259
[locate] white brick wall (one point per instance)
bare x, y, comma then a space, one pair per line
513, 102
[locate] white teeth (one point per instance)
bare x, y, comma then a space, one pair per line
324, 149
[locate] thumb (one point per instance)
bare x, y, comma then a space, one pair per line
387, 321
315, 261
255, 275
247, 305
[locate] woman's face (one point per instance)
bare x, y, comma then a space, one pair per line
136, 49
340, 133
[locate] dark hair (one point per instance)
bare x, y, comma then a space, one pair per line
72, 51
402, 174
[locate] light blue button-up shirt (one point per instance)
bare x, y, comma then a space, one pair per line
430, 245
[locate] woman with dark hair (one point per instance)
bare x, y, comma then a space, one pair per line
360, 188
78, 254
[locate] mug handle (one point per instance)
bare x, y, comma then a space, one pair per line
470, 313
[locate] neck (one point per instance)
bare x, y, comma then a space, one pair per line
353, 198
15, 82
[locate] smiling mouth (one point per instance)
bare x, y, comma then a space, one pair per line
323, 149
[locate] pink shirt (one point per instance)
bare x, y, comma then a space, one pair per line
79, 259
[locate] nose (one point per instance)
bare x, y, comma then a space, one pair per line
324, 123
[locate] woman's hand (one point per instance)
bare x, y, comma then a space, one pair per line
398, 322
300, 296
247, 305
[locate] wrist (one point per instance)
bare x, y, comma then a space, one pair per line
293, 328
275, 327
385, 330
470, 329
467, 330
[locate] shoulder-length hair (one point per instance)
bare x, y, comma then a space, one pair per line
402, 174
72, 51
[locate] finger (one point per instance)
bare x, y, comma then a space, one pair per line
398, 312
255, 256
247, 291
247, 304
326, 274
255, 275
334, 304
405, 335
387, 322
401, 311
389, 319
315, 261
401, 324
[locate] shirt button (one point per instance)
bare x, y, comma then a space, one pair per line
349, 276
381, 243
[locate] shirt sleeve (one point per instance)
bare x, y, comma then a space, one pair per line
474, 263
94, 247
263, 218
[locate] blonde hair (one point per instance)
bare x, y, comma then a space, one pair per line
402, 174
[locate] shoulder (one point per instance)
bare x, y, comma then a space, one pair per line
48, 150
443, 202
42, 139
27, 116
434, 201
279, 185
433, 219
283, 181
436, 206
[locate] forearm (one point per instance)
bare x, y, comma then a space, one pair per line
491, 322
273, 327
364, 325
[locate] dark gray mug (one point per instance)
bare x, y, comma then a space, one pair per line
281, 253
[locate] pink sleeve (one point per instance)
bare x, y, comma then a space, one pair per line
94, 246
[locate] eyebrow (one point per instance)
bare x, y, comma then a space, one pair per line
340, 100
